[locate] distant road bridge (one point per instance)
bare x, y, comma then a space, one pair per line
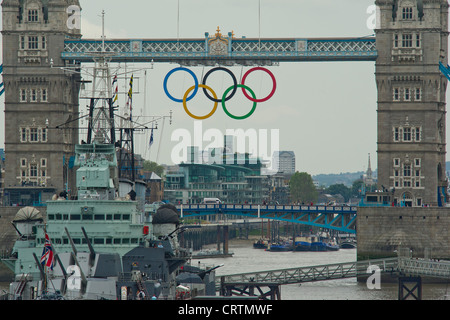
341, 218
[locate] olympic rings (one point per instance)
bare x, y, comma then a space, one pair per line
233, 116
167, 78
225, 98
193, 115
273, 80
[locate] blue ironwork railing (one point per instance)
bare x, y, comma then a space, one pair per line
341, 218
206, 51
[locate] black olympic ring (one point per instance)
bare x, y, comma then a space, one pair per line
235, 84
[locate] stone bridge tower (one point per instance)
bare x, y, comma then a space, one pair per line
412, 38
39, 97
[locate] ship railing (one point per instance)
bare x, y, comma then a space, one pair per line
5, 253
155, 276
4, 295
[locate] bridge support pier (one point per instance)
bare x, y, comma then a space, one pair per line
223, 237
251, 289
404, 287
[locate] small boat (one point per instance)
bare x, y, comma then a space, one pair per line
260, 244
332, 245
348, 245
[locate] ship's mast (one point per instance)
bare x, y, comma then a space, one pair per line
101, 117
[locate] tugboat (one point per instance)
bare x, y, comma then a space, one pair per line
324, 243
281, 246
303, 243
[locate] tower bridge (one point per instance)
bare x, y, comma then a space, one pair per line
410, 44
223, 50
409, 49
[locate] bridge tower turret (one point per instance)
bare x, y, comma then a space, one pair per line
412, 38
39, 96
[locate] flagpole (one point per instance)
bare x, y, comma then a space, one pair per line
44, 285
160, 139
47, 261
103, 30
150, 143
259, 25
178, 26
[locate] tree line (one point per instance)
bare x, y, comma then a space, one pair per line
303, 190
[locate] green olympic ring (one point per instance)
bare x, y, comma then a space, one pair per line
232, 115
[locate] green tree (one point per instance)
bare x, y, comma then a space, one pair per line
153, 167
357, 187
341, 189
302, 188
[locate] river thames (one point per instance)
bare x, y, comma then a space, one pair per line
248, 259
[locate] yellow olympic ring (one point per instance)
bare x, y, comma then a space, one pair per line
193, 115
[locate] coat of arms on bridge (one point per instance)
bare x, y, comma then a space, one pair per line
217, 44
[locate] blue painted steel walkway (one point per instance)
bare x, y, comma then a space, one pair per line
341, 218
225, 50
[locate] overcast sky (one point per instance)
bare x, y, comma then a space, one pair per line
325, 111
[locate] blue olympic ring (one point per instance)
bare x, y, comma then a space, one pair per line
167, 78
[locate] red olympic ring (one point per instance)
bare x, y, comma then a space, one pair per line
273, 80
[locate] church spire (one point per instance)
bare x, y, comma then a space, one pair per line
369, 169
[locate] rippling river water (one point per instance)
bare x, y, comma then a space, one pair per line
247, 259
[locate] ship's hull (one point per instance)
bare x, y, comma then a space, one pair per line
302, 246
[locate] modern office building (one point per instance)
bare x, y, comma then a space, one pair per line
284, 161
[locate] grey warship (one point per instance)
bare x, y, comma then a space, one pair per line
86, 265
101, 244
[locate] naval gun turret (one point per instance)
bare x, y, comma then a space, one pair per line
25, 222
150, 270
